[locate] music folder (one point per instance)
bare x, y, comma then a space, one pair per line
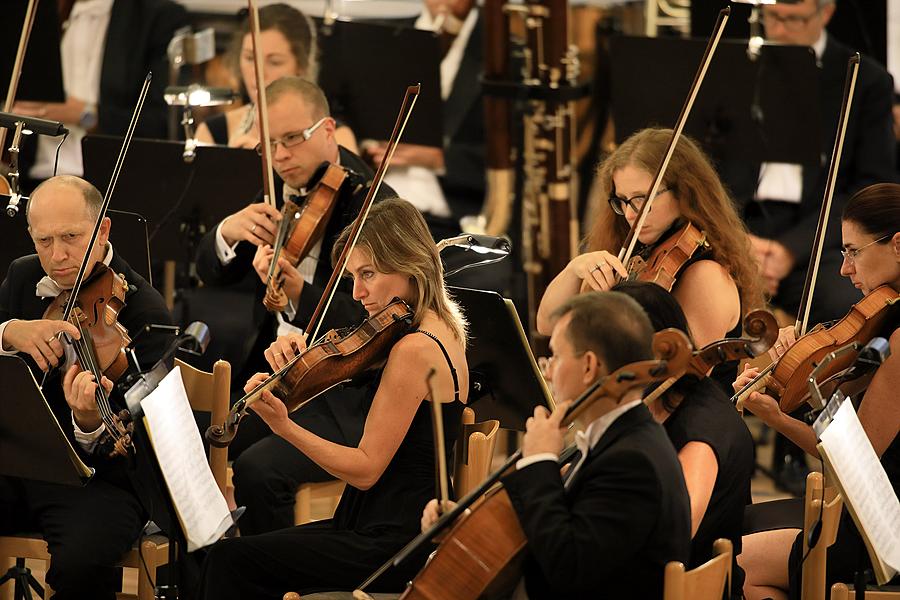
32, 443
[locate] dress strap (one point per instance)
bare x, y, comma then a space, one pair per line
449, 362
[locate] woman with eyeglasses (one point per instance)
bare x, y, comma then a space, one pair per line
288, 48
870, 228
716, 286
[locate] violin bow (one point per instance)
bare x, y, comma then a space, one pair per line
30, 13
409, 101
442, 484
802, 323
674, 351
262, 106
631, 240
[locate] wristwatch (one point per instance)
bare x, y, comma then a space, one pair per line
88, 119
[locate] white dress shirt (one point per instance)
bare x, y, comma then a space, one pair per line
82, 46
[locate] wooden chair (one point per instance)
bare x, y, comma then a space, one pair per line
207, 392
822, 510
472, 461
841, 591
706, 582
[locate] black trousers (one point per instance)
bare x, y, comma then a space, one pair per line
87, 530
305, 559
268, 471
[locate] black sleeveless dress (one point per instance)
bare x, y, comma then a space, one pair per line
368, 528
218, 128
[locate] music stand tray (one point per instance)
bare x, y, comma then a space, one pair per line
363, 91
32, 443
176, 198
505, 381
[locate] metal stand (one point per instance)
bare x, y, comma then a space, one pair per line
24, 581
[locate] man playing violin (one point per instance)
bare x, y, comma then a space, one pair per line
267, 470
621, 511
870, 228
87, 529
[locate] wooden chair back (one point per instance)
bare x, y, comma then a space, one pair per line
822, 512
706, 582
474, 452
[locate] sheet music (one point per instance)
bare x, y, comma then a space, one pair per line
865, 487
201, 508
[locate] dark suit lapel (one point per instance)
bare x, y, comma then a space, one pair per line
632, 418
467, 85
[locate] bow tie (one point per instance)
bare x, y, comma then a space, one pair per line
47, 288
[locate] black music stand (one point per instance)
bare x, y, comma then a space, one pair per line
366, 68
505, 381
180, 201
32, 446
41, 79
765, 110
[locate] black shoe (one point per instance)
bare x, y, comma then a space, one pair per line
791, 476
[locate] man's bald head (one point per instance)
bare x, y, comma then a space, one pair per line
93, 199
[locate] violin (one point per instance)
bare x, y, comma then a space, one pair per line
668, 258
336, 359
761, 331
93, 305
487, 543
101, 347
308, 381
787, 378
300, 228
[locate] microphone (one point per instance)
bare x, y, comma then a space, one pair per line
33, 124
193, 340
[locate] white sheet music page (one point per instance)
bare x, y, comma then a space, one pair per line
865, 486
200, 505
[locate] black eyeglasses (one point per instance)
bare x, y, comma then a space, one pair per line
618, 204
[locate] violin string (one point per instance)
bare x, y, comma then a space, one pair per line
89, 362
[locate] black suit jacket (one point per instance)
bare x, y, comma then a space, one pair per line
610, 534
136, 41
464, 135
143, 305
868, 154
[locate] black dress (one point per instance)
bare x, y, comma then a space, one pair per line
218, 128
707, 416
368, 528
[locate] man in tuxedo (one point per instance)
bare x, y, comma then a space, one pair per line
781, 202
88, 528
238, 252
609, 525
107, 49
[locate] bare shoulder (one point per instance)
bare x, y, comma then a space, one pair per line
705, 273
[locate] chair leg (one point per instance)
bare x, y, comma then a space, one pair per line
145, 589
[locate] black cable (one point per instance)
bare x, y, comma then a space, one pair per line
58, 146
175, 206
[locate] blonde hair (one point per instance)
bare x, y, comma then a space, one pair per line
702, 200
397, 239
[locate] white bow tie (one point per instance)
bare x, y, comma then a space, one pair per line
47, 288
